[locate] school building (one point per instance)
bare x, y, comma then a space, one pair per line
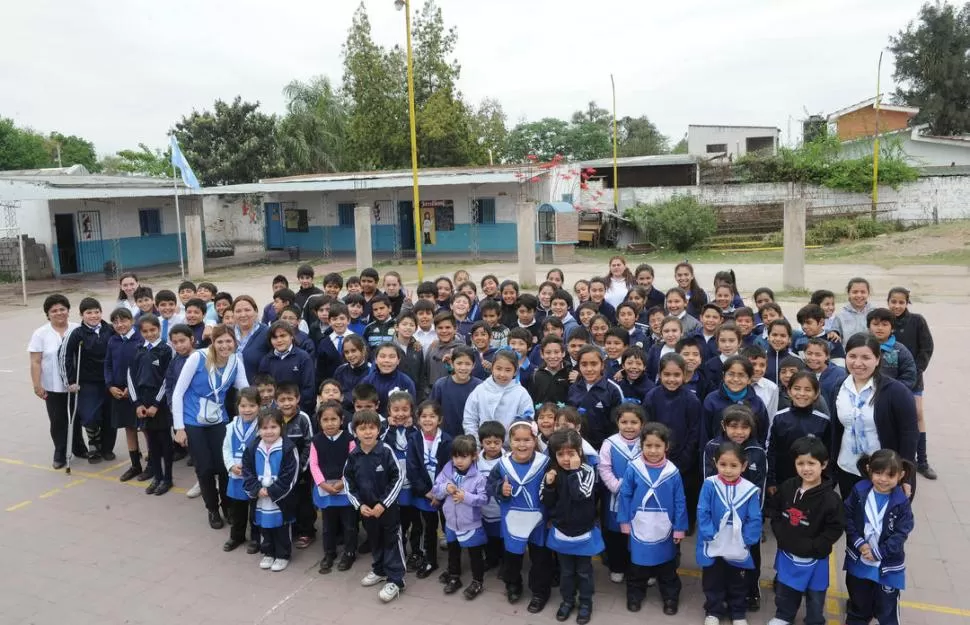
461, 210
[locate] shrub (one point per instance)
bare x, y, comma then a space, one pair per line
680, 222
842, 229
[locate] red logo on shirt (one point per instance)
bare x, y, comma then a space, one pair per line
795, 516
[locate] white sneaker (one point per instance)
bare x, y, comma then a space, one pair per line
712, 620
651, 582
266, 562
617, 578
778, 621
372, 579
739, 621
279, 564
389, 592
194, 492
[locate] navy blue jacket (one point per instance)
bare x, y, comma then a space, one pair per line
898, 363
304, 342
635, 390
172, 374
147, 372
896, 527
680, 411
655, 297
894, 413
830, 381
598, 404
652, 365
295, 366
612, 367
713, 373
269, 314
327, 357
197, 331
606, 309
774, 362
478, 371
418, 477
373, 478
638, 338
912, 331
93, 348
799, 343
120, 355
697, 384
789, 425
282, 490
412, 365
452, 396
348, 377
256, 347
717, 401
385, 384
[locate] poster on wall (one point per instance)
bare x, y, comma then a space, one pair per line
437, 216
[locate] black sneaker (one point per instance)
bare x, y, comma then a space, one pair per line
94, 457
59, 464
144, 476
109, 456
670, 607
130, 474
474, 589
150, 490
513, 592
413, 562
163, 487
231, 544
633, 605
426, 569
326, 565
215, 521
565, 609
346, 561
252, 547
536, 604
584, 614
452, 585
444, 577
926, 471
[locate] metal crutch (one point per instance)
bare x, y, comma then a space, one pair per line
71, 412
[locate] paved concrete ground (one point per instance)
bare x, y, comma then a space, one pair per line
87, 549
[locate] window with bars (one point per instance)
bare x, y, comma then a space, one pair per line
485, 210
345, 214
150, 220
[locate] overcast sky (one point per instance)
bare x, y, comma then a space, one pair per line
119, 72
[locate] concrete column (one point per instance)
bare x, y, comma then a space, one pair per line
362, 239
194, 249
525, 223
793, 270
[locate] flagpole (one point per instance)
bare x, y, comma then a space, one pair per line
178, 219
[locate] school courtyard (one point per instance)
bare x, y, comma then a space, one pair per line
87, 549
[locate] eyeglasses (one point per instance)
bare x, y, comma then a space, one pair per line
734, 375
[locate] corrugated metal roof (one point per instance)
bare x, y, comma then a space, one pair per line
94, 187
394, 173
388, 180
653, 160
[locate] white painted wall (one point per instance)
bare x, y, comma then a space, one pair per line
119, 217
34, 220
699, 137
918, 153
924, 200
235, 218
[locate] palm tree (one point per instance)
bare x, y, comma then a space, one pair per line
314, 131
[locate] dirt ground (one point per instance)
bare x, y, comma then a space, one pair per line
88, 549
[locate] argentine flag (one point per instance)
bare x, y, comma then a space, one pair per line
178, 160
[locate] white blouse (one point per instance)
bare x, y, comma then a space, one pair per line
47, 342
847, 404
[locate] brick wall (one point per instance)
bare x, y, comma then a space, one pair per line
862, 123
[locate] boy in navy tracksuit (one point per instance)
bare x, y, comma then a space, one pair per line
287, 363
373, 480
85, 376
120, 355
897, 361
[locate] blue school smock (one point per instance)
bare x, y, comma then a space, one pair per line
239, 436
886, 536
398, 438
276, 469
717, 500
523, 518
652, 502
621, 455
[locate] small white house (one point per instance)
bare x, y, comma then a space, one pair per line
920, 150
730, 142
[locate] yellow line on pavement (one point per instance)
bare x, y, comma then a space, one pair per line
49, 493
112, 468
18, 506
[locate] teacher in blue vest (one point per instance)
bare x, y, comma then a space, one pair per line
199, 414
252, 338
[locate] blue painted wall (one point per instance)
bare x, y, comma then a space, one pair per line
135, 252
491, 238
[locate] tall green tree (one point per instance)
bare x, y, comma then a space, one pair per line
313, 134
933, 67
637, 136
73, 151
21, 148
232, 144
143, 162
377, 129
543, 139
490, 131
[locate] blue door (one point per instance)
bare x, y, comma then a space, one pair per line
405, 217
274, 226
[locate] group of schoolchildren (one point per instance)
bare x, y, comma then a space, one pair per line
615, 423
